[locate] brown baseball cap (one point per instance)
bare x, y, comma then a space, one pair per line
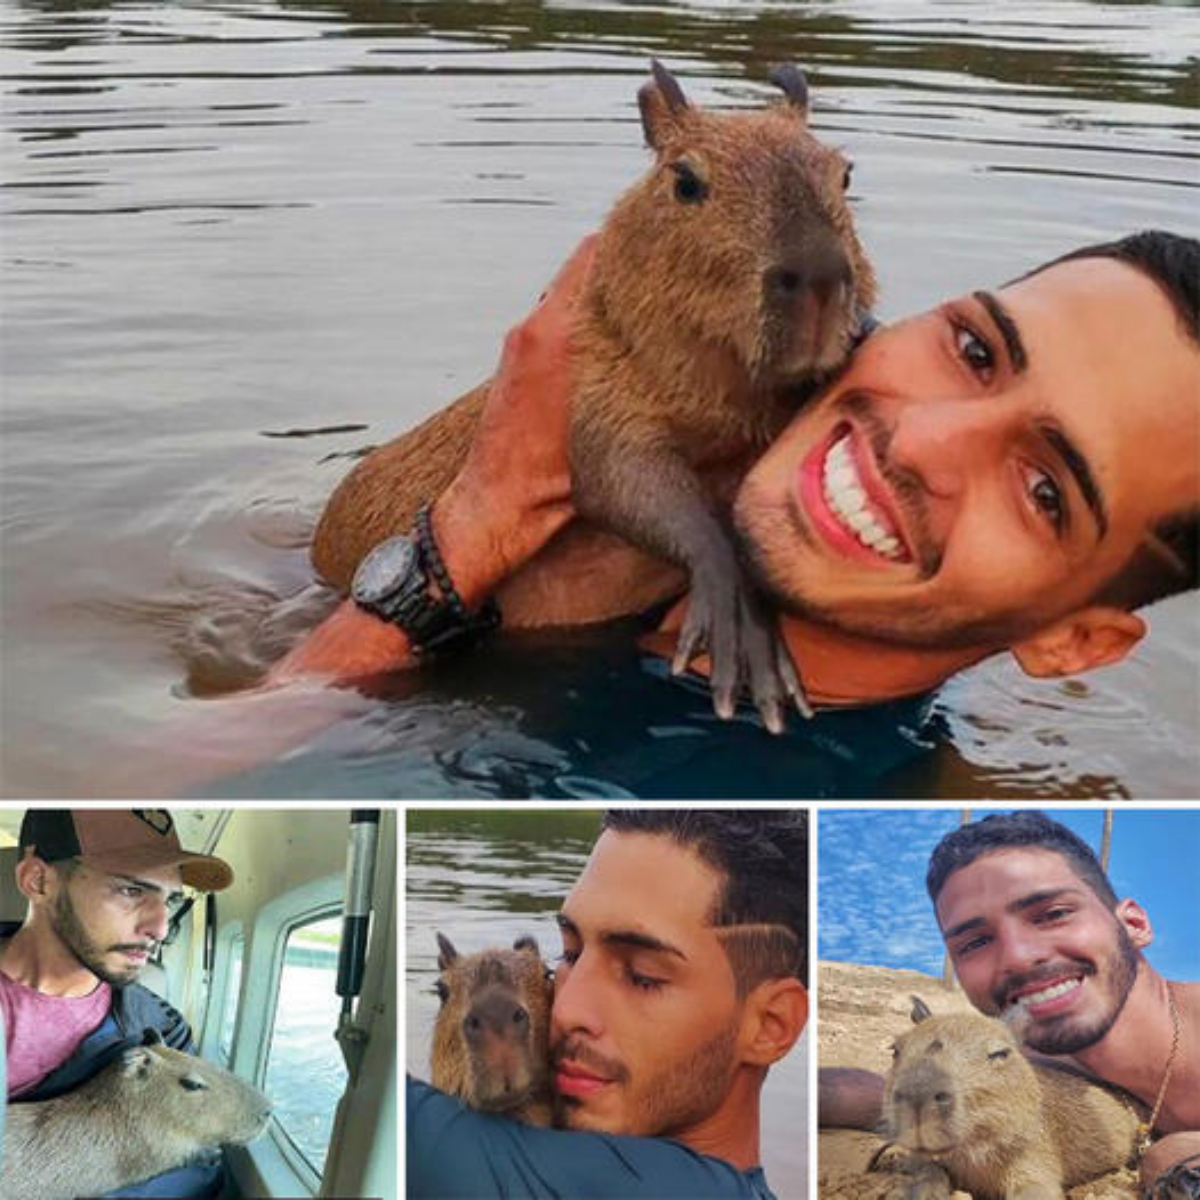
122, 841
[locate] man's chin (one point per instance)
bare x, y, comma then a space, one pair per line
577, 1117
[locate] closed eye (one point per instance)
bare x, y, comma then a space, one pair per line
644, 983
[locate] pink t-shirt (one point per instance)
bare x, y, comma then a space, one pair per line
44, 1031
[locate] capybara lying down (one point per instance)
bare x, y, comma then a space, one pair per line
149, 1111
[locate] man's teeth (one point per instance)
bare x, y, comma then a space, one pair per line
846, 496
1050, 993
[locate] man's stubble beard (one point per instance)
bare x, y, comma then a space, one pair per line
678, 1097
1121, 975
766, 538
71, 932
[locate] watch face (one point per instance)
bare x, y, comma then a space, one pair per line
383, 570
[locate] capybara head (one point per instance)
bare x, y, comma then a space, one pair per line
190, 1096
957, 1079
490, 1040
739, 237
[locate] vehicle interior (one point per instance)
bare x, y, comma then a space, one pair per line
288, 979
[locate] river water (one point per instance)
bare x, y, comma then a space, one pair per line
244, 241
486, 878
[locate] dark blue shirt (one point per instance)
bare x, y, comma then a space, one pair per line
454, 1153
584, 714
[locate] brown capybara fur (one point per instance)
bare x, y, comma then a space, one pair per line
491, 1038
149, 1111
727, 276
961, 1096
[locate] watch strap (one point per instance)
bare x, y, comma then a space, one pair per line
432, 623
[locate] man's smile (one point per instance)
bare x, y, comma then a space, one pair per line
848, 504
1047, 995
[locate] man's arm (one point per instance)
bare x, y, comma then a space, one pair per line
510, 498
849, 1098
454, 1153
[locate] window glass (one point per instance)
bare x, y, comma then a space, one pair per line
229, 1001
305, 1073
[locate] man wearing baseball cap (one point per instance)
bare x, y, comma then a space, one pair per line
102, 885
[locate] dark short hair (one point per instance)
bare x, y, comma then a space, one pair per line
1170, 561
763, 857
1012, 831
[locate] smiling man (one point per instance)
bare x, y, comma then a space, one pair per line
1016, 470
101, 886
1038, 936
679, 984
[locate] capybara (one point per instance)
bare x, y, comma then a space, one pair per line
150, 1110
727, 282
491, 1039
963, 1097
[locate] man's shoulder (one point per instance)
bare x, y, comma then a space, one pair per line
455, 1152
137, 1010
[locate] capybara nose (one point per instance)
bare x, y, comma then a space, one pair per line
821, 271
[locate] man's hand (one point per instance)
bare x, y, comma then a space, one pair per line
511, 496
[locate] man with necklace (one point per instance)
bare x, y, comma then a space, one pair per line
1037, 935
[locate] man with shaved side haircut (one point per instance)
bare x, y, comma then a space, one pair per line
680, 982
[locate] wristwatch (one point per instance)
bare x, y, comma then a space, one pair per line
393, 582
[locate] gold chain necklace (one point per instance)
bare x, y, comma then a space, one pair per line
1145, 1128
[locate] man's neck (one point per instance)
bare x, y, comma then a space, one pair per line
841, 669
45, 965
1135, 1052
732, 1132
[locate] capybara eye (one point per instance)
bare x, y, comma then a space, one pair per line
998, 1054
191, 1085
689, 187
846, 176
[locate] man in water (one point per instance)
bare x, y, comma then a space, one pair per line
680, 983
101, 886
1015, 470
1037, 935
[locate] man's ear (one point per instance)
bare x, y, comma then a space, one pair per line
775, 1015
1136, 921
33, 876
1082, 640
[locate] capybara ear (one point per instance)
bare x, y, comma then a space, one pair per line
794, 85
526, 942
446, 952
135, 1063
920, 1010
663, 105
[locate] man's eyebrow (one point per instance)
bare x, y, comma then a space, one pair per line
1075, 462
1019, 905
150, 886
962, 927
1035, 898
634, 939
1008, 330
